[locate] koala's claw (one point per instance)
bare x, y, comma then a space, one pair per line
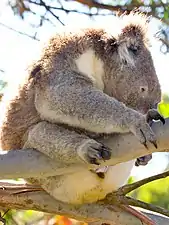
144, 133
154, 143
105, 154
153, 114
162, 119
145, 141
98, 153
94, 152
145, 145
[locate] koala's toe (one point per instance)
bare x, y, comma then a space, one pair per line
153, 114
105, 153
98, 153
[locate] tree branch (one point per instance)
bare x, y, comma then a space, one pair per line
11, 197
41, 201
19, 32
116, 8
125, 147
29, 163
128, 7
130, 187
25, 196
152, 9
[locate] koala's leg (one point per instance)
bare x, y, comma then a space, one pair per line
65, 145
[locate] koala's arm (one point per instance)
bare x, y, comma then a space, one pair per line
65, 145
73, 100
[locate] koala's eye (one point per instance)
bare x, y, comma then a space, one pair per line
133, 49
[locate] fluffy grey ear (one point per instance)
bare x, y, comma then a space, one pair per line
134, 25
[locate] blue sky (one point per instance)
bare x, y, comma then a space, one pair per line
17, 51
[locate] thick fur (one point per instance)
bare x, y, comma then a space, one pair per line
85, 84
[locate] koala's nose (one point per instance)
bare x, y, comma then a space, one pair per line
144, 90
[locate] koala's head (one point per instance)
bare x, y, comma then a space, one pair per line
135, 81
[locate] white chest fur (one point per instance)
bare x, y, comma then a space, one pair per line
90, 65
86, 187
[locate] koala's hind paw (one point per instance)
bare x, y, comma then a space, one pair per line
142, 161
94, 152
153, 114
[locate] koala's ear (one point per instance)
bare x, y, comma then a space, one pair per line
134, 25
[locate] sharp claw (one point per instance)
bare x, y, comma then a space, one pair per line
136, 163
98, 156
162, 120
155, 144
145, 145
155, 116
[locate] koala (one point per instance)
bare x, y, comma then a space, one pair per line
85, 84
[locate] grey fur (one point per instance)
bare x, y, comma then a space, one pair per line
61, 105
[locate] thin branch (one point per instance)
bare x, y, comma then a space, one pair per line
19, 32
2, 71
144, 205
91, 3
112, 8
149, 9
130, 187
126, 7
70, 10
42, 3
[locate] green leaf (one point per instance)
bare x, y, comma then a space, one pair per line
166, 14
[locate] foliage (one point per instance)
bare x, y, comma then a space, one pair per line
155, 193
163, 106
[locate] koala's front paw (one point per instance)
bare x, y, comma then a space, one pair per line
142, 161
94, 152
153, 114
138, 125
143, 132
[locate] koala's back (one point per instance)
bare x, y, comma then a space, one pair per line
18, 113
17, 107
